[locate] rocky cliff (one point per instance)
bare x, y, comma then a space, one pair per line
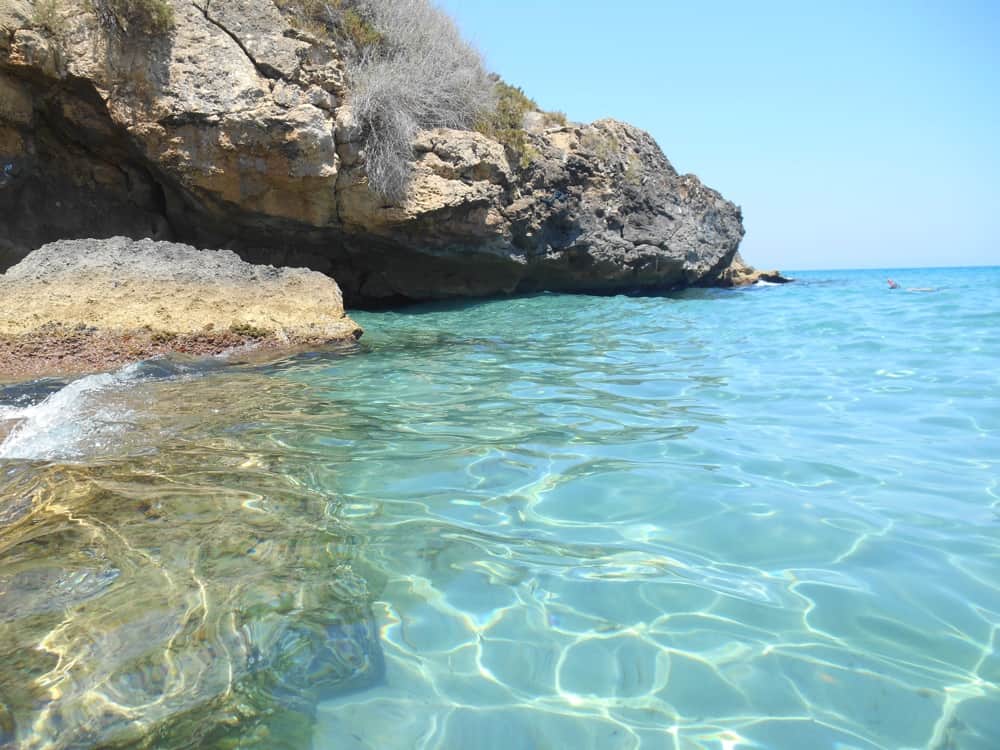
234, 129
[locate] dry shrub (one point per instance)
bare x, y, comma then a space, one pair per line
409, 70
414, 72
554, 119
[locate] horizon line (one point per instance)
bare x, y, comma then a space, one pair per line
885, 268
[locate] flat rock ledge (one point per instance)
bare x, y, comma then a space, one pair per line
78, 306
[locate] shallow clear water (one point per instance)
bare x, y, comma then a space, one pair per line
761, 518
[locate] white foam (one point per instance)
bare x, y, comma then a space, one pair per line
69, 422
761, 282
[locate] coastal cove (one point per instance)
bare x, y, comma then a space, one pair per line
354, 397
765, 517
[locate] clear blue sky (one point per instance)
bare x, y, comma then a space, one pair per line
853, 134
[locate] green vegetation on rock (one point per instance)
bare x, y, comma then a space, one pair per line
505, 123
340, 21
360, 32
633, 170
249, 330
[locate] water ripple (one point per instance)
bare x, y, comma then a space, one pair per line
764, 518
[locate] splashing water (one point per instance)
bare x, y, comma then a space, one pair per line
62, 424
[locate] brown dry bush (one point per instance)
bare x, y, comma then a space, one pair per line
409, 70
415, 73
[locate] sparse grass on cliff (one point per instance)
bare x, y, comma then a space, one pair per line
505, 123
603, 145
135, 17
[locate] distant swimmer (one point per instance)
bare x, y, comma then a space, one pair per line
894, 285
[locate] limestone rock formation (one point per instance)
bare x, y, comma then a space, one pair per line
94, 304
234, 130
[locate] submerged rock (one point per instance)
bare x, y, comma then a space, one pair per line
196, 598
235, 129
79, 305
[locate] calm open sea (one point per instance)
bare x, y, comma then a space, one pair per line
757, 518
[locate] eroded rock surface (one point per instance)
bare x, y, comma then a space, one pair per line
79, 305
234, 130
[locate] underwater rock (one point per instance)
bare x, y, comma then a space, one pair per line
172, 606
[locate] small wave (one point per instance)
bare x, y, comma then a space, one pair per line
65, 422
761, 282
82, 417
79, 418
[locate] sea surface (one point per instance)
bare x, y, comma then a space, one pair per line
764, 518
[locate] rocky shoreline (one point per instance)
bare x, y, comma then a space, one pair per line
235, 129
87, 305
80, 306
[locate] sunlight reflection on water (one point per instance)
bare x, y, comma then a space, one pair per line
764, 518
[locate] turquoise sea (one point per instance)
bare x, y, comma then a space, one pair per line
765, 518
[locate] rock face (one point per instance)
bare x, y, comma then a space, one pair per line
234, 130
93, 304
